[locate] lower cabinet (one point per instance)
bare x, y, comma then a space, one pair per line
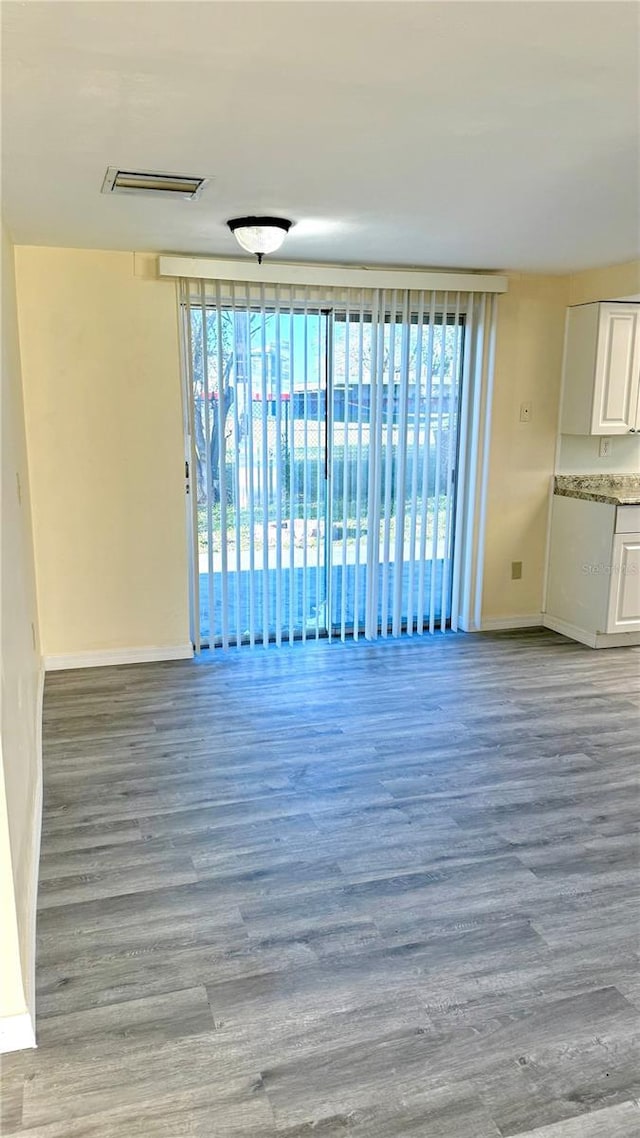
593, 579
624, 594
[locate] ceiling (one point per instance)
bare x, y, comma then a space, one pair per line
465, 135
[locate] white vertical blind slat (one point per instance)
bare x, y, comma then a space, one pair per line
208, 414
329, 483
415, 461
491, 308
477, 357
398, 577
451, 458
438, 466
305, 464
290, 468
358, 491
235, 485
264, 464
388, 465
222, 475
345, 478
375, 448
463, 448
321, 474
250, 466
277, 446
425, 467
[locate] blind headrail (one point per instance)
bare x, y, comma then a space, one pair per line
331, 276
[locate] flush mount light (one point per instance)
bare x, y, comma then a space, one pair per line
260, 235
118, 181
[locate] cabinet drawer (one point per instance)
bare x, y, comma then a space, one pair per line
628, 519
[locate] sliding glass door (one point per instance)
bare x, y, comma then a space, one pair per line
323, 447
259, 416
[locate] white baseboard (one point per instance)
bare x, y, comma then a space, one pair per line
570, 630
591, 639
504, 623
107, 657
32, 906
16, 1033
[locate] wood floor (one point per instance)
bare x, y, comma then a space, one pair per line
341, 891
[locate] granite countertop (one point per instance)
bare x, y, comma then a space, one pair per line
617, 489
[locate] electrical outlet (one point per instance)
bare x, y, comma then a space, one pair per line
516, 570
525, 412
605, 448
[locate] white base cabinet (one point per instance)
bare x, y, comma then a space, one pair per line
624, 597
593, 581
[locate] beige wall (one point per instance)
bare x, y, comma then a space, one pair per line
527, 369
581, 455
104, 423
20, 692
614, 282
13, 998
101, 374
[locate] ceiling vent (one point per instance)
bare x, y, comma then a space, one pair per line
152, 183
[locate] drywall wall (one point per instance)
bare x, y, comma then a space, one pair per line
13, 999
527, 370
581, 455
21, 687
612, 282
104, 422
578, 455
101, 375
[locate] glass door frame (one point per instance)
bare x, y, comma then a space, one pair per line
329, 315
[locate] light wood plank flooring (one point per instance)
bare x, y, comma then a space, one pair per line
341, 891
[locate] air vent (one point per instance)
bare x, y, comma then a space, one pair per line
151, 182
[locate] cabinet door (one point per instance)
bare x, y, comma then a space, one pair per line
617, 378
624, 598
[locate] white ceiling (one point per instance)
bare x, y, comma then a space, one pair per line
477, 135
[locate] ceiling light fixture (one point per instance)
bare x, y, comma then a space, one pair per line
260, 235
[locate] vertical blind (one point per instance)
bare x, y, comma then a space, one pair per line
335, 458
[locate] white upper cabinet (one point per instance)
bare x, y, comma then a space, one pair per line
601, 382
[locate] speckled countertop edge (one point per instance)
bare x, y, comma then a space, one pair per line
614, 489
